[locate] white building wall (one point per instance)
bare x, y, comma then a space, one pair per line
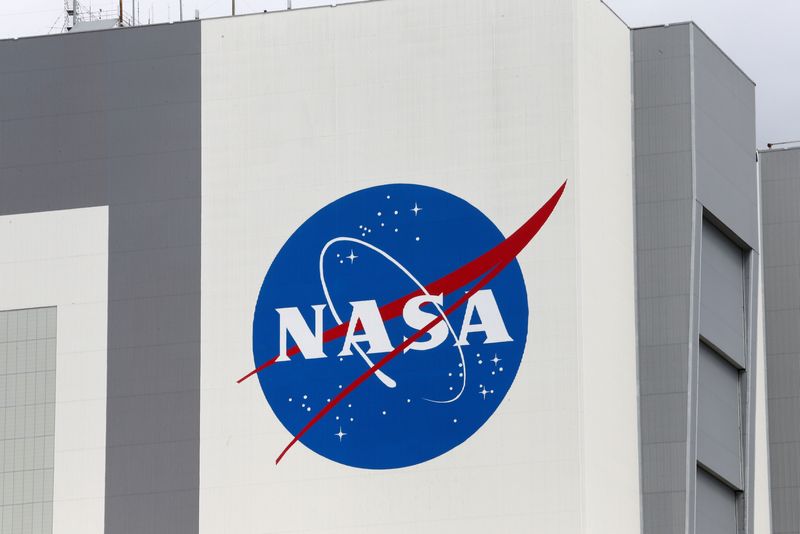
605, 221
497, 102
60, 258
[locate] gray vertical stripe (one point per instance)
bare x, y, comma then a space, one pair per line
780, 183
113, 118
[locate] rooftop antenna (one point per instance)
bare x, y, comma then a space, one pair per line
120, 12
233, 7
71, 8
770, 145
180, 6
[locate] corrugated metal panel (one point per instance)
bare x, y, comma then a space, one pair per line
780, 175
664, 210
725, 140
719, 437
716, 506
722, 294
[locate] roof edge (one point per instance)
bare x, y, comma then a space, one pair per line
693, 24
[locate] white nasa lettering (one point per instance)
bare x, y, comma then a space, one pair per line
491, 321
418, 319
292, 322
367, 314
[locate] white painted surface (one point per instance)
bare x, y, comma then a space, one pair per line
60, 258
606, 279
762, 508
497, 102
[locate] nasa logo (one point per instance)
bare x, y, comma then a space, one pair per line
393, 323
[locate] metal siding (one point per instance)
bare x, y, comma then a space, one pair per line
725, 140
153, 437
716, 506
780, 179
664, 212
679, 160
113, 118
722, 300
719, 438
785, 509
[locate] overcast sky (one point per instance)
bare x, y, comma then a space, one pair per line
761, 36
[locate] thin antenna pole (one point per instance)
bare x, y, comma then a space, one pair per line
770, 145
233, 7
180, 4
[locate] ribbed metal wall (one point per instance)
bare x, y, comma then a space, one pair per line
780, 189
697, 258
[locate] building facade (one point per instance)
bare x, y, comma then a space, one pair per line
402, 265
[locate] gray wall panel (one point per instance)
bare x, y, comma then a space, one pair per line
665, 512
719, 438
660, 43
666, 421
782, 240
783, 291
780, 185
783, 334
686, 165
664, 269
664, 225
656, 176
113, 118
725, 140
783, 376
666, 463
662, 129
664, 369
785, 510
153, 438
664, 213
716, 506
722, 299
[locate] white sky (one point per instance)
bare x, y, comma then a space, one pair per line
761, 36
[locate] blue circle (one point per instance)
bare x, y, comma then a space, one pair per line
433, 406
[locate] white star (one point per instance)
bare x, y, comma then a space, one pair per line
416, 209
352, 257
484, 392
340, 434
496, 360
